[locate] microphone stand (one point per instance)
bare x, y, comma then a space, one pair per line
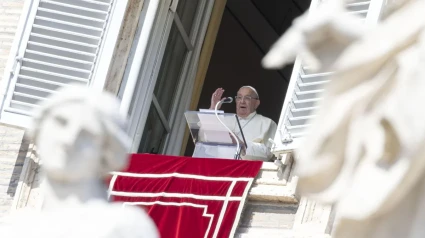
240, 129
238, 149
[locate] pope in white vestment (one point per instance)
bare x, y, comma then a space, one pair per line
256, 128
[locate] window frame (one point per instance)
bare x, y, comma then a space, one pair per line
142, 95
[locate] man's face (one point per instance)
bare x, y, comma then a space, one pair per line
246, 102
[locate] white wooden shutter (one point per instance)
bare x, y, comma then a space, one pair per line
305, 87
60, 44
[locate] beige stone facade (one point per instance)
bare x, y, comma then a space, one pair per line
13, 150
10, 12
274, 209
13, 146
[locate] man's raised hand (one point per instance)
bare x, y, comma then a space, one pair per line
216, 97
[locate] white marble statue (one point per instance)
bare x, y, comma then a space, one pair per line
80, 137
365, 150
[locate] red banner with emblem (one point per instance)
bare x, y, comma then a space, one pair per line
186, 197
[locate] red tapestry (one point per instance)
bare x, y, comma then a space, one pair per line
186, 197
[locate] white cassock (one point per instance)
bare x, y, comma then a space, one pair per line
257, 130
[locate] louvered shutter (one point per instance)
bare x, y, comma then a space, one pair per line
60, 46
305, 87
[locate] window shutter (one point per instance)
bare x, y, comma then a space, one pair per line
60, 46
305, 87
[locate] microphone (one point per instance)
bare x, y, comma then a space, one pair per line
238, 148
227, 100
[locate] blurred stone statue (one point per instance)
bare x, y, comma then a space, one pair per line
365, 150
80, 137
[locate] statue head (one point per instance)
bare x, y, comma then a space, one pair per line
80, 134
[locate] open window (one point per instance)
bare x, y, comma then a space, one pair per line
195, 48
163, 84
190, 54
246, 32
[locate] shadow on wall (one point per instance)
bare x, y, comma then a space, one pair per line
15, 150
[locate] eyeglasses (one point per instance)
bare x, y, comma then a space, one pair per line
240, 98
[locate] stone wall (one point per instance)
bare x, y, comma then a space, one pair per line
13, 150
28, 191
13, 146
274, 209
10, 12
123, 47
